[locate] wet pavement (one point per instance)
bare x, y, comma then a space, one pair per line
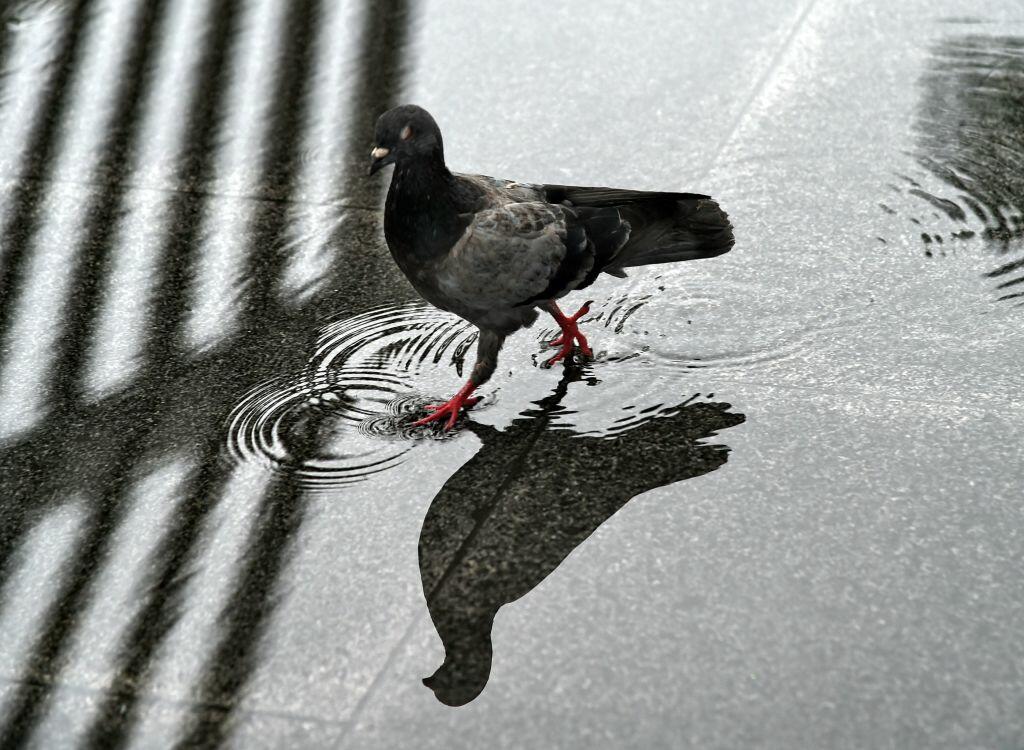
780, 509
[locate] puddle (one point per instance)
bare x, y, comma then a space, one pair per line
965, 191
350, 413
536, 488
283, 568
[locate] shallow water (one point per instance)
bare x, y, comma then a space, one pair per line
970, 150
779, 508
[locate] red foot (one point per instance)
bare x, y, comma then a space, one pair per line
570, 334
450, 408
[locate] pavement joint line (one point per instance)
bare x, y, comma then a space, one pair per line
758, 89
353, 718
515, 469
129, 187
165, 701
866, 395
755, 93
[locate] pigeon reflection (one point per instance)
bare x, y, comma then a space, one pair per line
526, 500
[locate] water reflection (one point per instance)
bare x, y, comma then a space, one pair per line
970, 129
532, 494
216, 534
349, 413
172, 400
187, 610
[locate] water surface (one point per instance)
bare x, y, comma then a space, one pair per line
779, 508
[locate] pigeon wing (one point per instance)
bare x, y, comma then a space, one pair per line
513, 254
496, 191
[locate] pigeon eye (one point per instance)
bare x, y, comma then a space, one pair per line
406, 133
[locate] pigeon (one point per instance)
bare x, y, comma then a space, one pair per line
496, 252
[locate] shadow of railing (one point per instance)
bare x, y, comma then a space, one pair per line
525, 514
177, 400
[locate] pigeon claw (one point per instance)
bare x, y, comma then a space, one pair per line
450, 409
570, 336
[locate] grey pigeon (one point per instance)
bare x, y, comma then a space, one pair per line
494, 251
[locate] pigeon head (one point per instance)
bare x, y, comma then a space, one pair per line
464, 673
405, 134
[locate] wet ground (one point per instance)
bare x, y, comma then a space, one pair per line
782, 507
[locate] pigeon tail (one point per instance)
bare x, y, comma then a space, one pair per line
663, 227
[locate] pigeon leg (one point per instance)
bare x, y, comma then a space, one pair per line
450, 408
570, 332
487, 348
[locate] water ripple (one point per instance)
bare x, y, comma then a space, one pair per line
967, 182
349, 415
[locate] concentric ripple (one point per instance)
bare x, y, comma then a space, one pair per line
661, 341
967, 184
349, 415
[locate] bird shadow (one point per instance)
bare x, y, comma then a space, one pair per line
532, 494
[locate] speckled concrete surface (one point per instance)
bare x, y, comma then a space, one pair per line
780, 509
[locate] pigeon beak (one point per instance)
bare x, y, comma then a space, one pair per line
380, 157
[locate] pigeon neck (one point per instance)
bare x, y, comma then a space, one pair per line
421, 184
421, 215
422, 173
